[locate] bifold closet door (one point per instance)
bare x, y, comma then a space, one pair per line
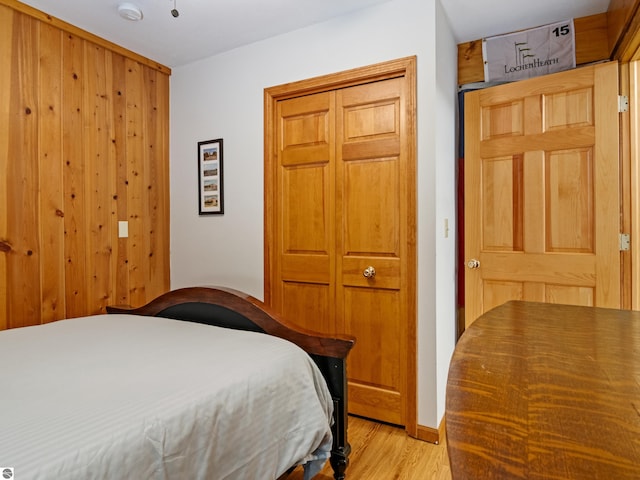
343, 218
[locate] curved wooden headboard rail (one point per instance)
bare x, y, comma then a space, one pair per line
225, 307
176, 302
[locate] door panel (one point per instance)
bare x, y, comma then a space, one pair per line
305, 270
569, 188
307, 304
370, 207
541, 191
497, 292
374, 369
371, 193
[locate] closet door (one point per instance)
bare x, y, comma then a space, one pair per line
304, 214
372, 217
340, 224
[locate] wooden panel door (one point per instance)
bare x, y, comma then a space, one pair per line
305, 269
373, 178
542, 191
344, 201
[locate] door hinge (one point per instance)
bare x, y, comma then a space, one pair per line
623, 103
625, 242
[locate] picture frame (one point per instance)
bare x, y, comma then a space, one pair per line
210, 178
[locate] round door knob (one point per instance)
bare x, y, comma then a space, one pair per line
369, 272
473, 263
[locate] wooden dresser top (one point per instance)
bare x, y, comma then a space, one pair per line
543, 391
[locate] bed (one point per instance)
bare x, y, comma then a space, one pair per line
200, 383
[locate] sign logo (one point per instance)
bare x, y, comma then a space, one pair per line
526, 58
7, 473
522, 52
529, 53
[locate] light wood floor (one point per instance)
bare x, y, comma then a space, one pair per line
383, 452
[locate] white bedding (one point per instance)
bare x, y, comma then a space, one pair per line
130, 397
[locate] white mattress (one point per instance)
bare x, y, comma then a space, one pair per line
130, 397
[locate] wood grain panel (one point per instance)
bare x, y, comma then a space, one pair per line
157, 188
592, 35
304, 130
538, 267
376, 231
622, 28
136, 196
607, 188
502, 204
75, 203
533, 217
569, 181
570, 295
6, 34
361, 396
571, 137
380, 361
305, 303
499, 292
377, 119
22, 179
51, 175
83, 144
573, 108
119, 141
308, 267
100, 179
305, 209
502, 120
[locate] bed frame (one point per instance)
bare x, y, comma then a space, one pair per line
234, 309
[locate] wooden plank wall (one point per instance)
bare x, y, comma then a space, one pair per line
622, 20
84, 143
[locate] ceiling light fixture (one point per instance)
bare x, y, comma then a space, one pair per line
174, 12
129, 11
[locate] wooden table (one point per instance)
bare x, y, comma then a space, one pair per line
542, 391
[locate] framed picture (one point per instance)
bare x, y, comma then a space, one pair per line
210, 185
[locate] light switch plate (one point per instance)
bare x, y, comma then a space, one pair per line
123, 229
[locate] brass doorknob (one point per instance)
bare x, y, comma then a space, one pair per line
369, 272
473, 263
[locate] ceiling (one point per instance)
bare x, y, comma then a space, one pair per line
206, 27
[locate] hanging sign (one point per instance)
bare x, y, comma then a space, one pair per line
529, 53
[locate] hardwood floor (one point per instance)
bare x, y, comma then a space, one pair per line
384, 452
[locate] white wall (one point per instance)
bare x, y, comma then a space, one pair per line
446, 108
222, 97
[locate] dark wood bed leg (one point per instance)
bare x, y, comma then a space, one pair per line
334, 371
339, 463
341, 448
